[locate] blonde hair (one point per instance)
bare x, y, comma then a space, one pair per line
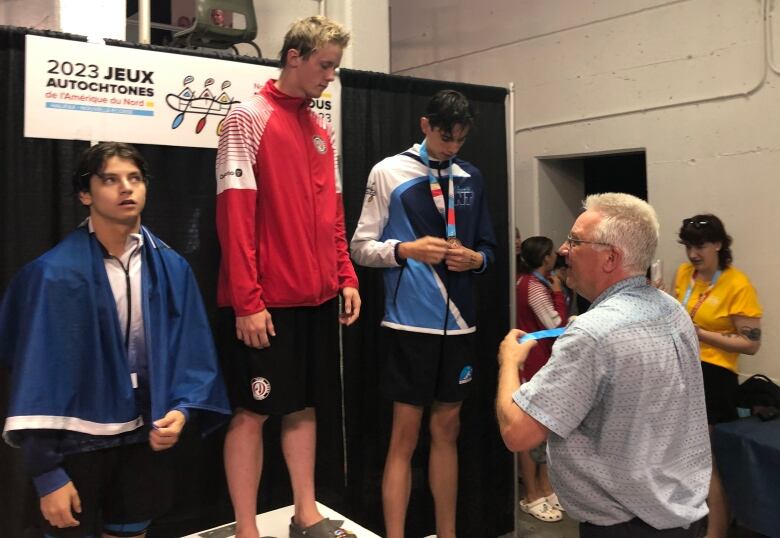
312, 33
629, 224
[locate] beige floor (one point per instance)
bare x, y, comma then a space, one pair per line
530, 527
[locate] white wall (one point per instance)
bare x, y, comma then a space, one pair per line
368, 21
92, 18
38, 14
688, 81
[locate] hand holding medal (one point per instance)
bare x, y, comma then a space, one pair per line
460, 258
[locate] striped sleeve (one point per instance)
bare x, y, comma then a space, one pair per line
236, 204
543, 306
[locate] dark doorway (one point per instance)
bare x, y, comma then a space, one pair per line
624, 172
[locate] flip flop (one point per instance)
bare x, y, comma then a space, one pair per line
541, 510
325, 528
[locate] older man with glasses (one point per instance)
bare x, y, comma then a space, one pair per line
620, 401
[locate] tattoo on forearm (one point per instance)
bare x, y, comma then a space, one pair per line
753, 334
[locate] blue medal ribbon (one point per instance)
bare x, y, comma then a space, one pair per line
549, 333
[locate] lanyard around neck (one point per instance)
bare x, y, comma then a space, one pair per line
447, 212
703, 296
541, 278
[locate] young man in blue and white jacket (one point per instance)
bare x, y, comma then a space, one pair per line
425, 221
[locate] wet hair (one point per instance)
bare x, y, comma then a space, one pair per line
93, 160
448, 108
707, 228
629, 224
533, 251
312, 33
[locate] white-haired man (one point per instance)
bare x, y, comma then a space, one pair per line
620, 401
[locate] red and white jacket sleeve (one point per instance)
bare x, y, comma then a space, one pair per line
548, 306
347, 276
236, 206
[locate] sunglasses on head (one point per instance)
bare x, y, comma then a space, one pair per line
696, 223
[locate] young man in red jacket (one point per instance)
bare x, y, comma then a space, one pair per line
284, 262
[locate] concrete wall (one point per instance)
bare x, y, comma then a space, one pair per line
38, 14
691, 82
368, 20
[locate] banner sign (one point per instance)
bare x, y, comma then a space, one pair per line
86, 91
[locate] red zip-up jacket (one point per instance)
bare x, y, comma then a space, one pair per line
280, 218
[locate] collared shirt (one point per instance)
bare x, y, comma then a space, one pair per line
124, 276
622, 396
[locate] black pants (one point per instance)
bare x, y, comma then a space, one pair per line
636, 528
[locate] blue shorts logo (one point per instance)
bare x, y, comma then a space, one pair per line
465, 375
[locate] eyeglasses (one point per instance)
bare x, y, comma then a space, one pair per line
695, 223
572, 242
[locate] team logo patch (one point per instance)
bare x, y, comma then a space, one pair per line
464, 196
239, 172
261, 388
370, 192
465, 375
319, 143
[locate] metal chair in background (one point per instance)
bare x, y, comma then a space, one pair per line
205, 33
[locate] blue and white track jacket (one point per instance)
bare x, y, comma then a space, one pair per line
399, 207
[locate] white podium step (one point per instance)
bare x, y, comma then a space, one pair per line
276, 523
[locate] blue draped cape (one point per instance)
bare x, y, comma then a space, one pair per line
60, 335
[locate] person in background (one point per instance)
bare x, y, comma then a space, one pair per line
621, 399
285, 261
218, 17
724, 307
541, 305
111, 354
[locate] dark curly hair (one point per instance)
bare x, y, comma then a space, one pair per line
707, 228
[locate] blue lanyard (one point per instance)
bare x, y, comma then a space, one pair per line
549, 333
541, 277
448, 211
705, 293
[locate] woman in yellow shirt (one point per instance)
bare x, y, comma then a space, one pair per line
724, 308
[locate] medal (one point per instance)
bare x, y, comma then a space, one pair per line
447, 210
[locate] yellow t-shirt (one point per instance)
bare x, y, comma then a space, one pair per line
733, 295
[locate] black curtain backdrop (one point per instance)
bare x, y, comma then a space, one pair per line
380, 118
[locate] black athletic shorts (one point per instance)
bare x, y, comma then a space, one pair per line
121, 490
422, 368
287, 376
720, 393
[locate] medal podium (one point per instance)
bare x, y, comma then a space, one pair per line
276, 522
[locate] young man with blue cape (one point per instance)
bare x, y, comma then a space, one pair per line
110, 354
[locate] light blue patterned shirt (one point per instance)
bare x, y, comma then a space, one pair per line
622, 396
